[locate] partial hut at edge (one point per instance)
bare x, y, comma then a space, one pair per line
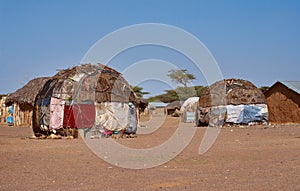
283, 100
22, 101
4, 113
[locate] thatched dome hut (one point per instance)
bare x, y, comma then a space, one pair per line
83, 96
25, 96
231, 91
173, 107
232, 101
23, 101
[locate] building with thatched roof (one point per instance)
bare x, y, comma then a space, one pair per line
85, 96
283, 99
173, 107
22, 101
3, 109
231, 101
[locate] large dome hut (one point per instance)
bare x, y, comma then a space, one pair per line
85, 96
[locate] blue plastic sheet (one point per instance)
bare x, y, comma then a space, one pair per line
11, 110
247, 113
44, 102
250, 113
10, 120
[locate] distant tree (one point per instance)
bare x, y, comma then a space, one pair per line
181, 77
138, 91
172, 95
200, 90
264, 88
167, 97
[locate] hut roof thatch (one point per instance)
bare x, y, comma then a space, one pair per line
231, 91
90, 82
26, 94
173, 105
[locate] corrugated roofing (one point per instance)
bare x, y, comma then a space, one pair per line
293, 85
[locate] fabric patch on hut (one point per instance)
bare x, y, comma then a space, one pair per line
56, 113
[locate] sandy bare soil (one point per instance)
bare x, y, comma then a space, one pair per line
249, 158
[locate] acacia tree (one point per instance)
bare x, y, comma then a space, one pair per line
264, 88
172, 95
181, 76
138, 91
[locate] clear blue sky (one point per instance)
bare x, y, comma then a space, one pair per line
257, 40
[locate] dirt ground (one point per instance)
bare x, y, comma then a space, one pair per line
248, 158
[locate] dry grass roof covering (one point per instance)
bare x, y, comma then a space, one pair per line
98, 83
26, 94
173, 105
231, 91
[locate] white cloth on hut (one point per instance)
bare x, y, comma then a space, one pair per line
112, 116
190, 105
56, 113
188, 109
234, 113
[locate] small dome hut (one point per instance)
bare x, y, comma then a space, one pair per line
231, 101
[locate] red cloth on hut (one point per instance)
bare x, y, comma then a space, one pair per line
79, 116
